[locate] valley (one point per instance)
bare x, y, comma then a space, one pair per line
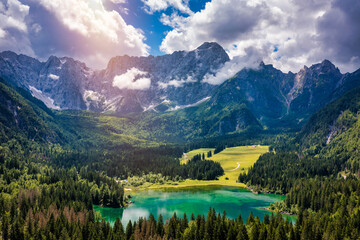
179, 120
143, 156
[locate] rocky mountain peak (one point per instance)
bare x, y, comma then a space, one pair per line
207, 45
214, 49
53, 61
8, 54
325, 67
134, 84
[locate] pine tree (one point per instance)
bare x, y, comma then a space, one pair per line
280, 233
242, 235
250, 219
129, 230
255, 231
118, 228
184, 223
160, 226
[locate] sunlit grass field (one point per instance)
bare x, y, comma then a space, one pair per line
233, 160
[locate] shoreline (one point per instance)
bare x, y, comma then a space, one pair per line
281, 212
188, 183
238, 185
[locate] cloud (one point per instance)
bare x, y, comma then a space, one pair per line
133, 79
152, 6
177, 83
276, 29
339, 30
82, 29
251, 59
13, 28
85, 30
220, 21
118, 1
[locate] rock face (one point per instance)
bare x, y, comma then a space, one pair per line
128, 84
173, 78
173, 81
58, 82
274, 96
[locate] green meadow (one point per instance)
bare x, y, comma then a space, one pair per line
233, 160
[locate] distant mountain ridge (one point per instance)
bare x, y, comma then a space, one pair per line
175, 81
68, 84
277, 98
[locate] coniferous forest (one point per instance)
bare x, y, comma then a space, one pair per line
50, 182
179, 120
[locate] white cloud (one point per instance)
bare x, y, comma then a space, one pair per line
286, 33
176, 82
94, 33
133, 79
36, 28
220, 21
251, 59
152, 6
118, 1
13, 28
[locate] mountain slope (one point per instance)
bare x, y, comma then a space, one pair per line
334, 131
196, 122
279, 101
27, 119
327, 146
128, 84
22, 116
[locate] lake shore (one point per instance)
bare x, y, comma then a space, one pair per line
275, 211
197, 183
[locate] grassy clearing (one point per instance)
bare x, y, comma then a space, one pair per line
244, 157
198, 183
233, 160
189, 155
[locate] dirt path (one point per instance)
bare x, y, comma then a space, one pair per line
238, 165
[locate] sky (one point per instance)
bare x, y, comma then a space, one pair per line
286, 33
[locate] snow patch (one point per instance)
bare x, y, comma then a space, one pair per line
150, 107
49, 102
112, 104
333, 131
91, 96
53, 76
189, 105
177, 83
133, 79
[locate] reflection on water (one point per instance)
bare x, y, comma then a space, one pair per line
233, 201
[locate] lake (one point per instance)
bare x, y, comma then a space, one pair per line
197, 200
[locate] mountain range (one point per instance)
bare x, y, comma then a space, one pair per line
172, 86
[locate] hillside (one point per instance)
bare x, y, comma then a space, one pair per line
334, 132
154, 87
327, 146
25, 117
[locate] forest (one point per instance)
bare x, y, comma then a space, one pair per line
51, 175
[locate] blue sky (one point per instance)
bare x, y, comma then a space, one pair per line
154, 30
276, 32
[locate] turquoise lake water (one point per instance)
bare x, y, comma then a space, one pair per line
197, 200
